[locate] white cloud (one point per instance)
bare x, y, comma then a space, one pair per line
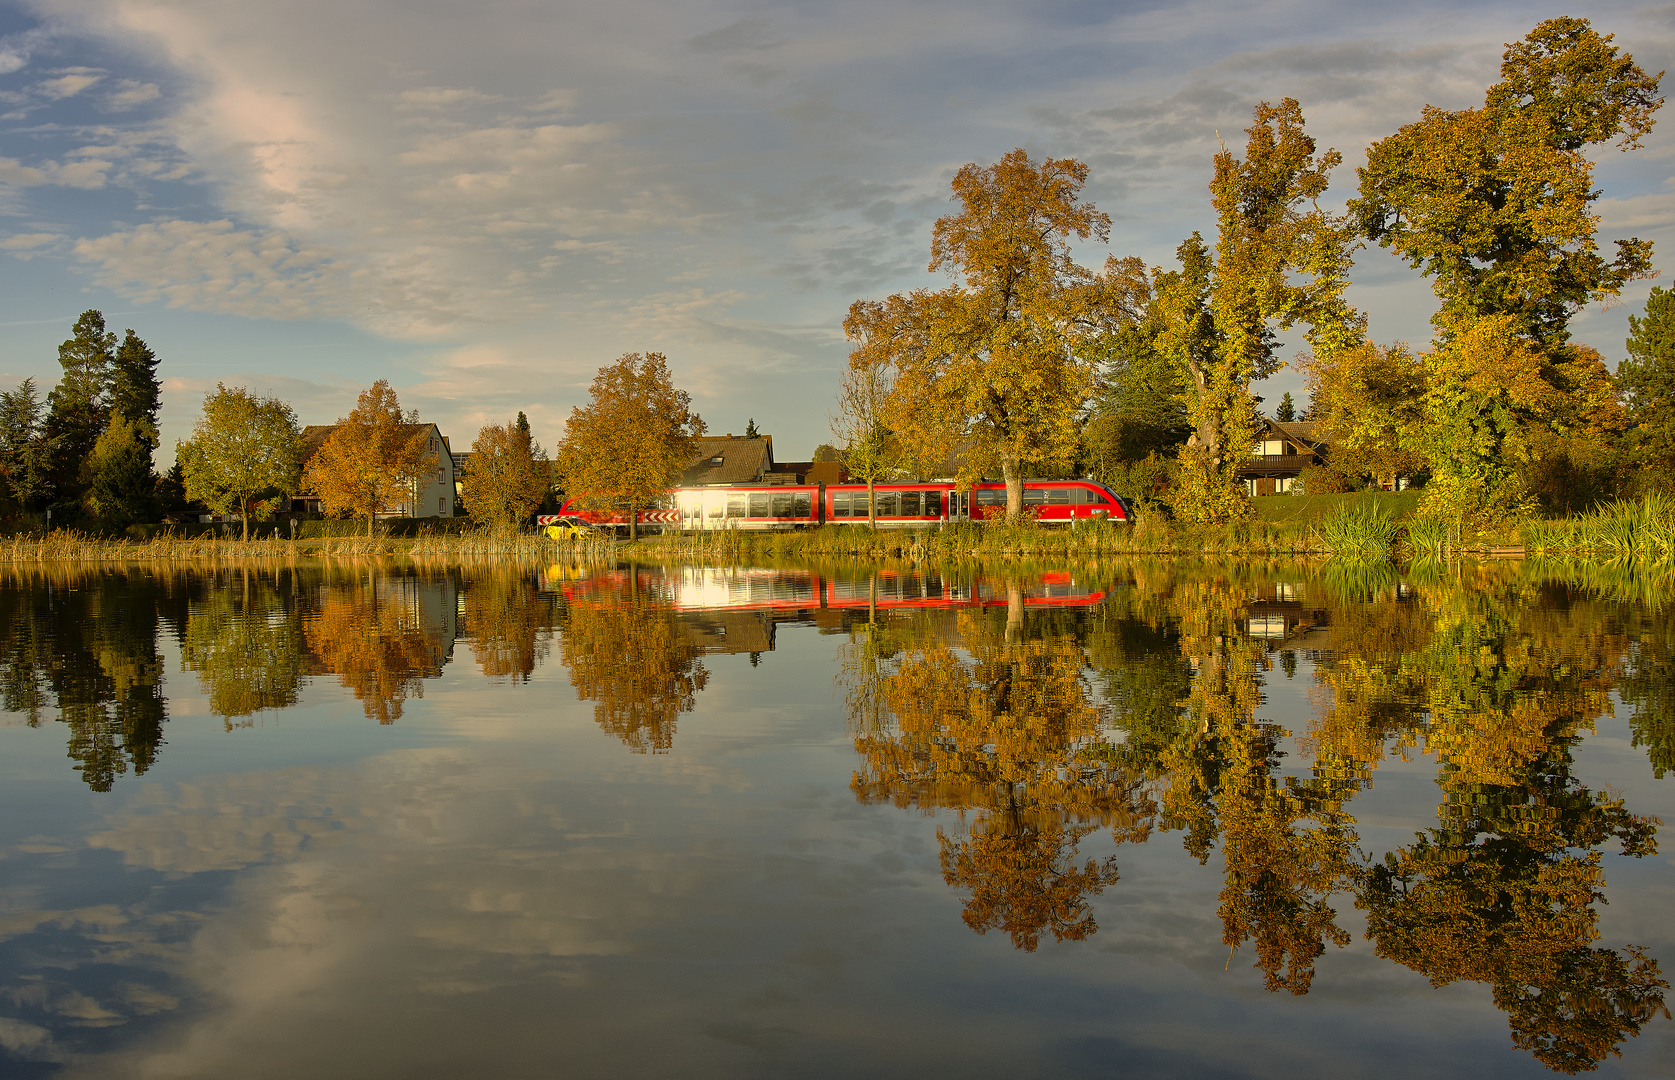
69, 84
130, 93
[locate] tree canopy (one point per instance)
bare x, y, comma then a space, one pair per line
508, 475
995, 367
632, 440
245, 452
371, 459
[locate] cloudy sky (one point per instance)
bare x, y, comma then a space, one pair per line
486, 202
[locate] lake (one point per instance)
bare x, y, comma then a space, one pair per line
1156, 819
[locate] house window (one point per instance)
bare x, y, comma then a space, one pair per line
441, 504
716, 460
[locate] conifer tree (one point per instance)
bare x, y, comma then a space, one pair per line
1287, 411
134, 391
78, 405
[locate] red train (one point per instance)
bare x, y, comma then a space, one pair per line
896, 505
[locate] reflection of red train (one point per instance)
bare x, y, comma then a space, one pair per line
699, 588
895, 505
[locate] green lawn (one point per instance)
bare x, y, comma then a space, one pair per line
1288, 508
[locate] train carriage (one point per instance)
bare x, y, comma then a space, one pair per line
895, 506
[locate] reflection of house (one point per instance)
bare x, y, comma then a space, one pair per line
729, 631
1281, 452
432, 495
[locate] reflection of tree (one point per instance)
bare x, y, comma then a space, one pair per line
1648, 687
1496, 679
1499, 894
629, 655
90, 650
509, 622
244, 638
378, 646
1286, 848
1007, 731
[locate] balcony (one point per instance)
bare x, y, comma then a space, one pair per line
1277, 464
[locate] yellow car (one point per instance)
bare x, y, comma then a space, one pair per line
570, 528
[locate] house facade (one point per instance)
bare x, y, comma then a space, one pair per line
1281, 453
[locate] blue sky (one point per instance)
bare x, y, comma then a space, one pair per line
486, 202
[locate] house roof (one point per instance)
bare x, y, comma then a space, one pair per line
742, 460
314, 436
1306, 430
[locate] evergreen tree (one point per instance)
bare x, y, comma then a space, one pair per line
134, 391
524, 432
1647, 381
1287, 411
25, 452
750, 431
120, 484
78, 404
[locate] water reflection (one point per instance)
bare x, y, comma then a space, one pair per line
1047, 726
1047, 722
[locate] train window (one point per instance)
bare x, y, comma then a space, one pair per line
802, 504
782, 504
991, 497
736, 506
910, 504
886, 503
1084, 497
1058, 496
1035, 496
758, 504
840, 504
933, 504
716, 507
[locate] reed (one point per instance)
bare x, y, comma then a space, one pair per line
1634, 530
1359, 529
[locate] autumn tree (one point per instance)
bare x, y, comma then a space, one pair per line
1369, 402
632, 440
994, 367
507, 478
244, 453
1279, 260
1647, 380
371, 459
1495, 203
871, 451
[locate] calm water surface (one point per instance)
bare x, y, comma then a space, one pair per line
1161, 821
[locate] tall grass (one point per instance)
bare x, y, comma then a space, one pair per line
1627, 529
68, 546
1359, 529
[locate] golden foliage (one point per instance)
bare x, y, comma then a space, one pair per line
627, 653
370, 461
633, 438
507, 478
378, 646
994, 368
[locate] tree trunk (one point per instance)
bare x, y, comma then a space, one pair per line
245, 507
872, 507
633, 521
1014, 477
369, 519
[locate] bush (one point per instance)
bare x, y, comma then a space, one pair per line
1319, 480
